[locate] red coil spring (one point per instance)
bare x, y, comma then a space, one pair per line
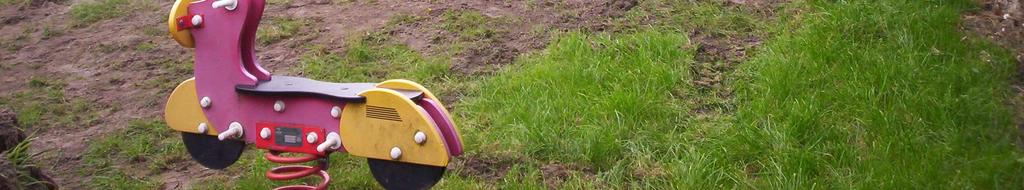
291, 172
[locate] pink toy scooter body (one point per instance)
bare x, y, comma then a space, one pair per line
240, 97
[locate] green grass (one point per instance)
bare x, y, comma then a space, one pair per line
89, 12
131, 158
865, 95
608, 102
43, 105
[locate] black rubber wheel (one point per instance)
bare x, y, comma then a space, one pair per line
212, 152
404, 176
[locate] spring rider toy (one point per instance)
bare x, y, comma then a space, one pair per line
404, 132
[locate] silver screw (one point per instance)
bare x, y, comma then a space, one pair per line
279, 106
205, 102
336, 112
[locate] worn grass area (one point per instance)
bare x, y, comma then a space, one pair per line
369, 59
89, 12
373, 59
279, 28
862, 95
43, 105
131, 158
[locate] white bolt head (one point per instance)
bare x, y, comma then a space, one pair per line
265, 133
205, 102
396, 153
336, 112
420, 137
203, 127
197, 20
311, 138
279, 106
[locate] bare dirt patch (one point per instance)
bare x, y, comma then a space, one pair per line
556, 173
488, 169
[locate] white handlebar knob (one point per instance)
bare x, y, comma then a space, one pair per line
333, 142
234, 131
227, 4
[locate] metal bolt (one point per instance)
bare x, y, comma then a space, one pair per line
279, 106
336, 112
203, 127
197, 20
311, 138
265, 133
420, 137
396, 153
205, 102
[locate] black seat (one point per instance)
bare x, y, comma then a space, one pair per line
292, 86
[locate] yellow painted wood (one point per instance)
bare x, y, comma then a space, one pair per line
179, 9
402, 84
183, 112
373, 138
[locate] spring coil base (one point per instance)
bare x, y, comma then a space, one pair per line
291, 172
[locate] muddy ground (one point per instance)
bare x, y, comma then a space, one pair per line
121, 65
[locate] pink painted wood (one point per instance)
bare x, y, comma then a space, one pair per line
249, 59
218, 62
444, 125
225, 57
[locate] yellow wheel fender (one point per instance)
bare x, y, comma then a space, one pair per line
402, 84
183, 112
389, 121
179, 9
